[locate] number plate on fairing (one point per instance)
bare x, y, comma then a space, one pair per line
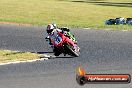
58, 40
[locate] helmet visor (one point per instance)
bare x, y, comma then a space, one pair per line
49, 31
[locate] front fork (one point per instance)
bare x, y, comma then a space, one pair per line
72, 36
70, 42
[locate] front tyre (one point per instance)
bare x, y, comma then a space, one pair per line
74, 52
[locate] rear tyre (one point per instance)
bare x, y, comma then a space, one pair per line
56, 51
56, 54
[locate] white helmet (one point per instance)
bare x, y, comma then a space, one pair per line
50, 28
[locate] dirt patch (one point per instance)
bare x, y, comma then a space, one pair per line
14, 23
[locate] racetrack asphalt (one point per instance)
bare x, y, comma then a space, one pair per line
102, 51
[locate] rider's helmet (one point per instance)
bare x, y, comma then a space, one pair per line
50, 28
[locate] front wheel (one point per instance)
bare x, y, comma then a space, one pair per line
74, 52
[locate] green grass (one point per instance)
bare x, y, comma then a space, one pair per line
71, 13
11, 56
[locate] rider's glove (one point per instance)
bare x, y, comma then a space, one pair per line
47, 37
48, 40
64, 32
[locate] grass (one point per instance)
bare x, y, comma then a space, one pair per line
12, 56
71, 13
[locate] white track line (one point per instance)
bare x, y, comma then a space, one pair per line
28, 61
87, 28
124, 30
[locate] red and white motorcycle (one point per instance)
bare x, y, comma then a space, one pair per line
63, 44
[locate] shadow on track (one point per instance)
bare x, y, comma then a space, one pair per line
41, 52
52, 56
64, 57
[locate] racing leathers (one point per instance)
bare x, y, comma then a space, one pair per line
54, 33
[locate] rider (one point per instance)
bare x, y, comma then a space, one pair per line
52, 31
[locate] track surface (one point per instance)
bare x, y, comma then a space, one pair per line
101, 52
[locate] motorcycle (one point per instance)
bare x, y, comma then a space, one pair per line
65, 45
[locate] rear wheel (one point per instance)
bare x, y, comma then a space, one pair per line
56, 51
